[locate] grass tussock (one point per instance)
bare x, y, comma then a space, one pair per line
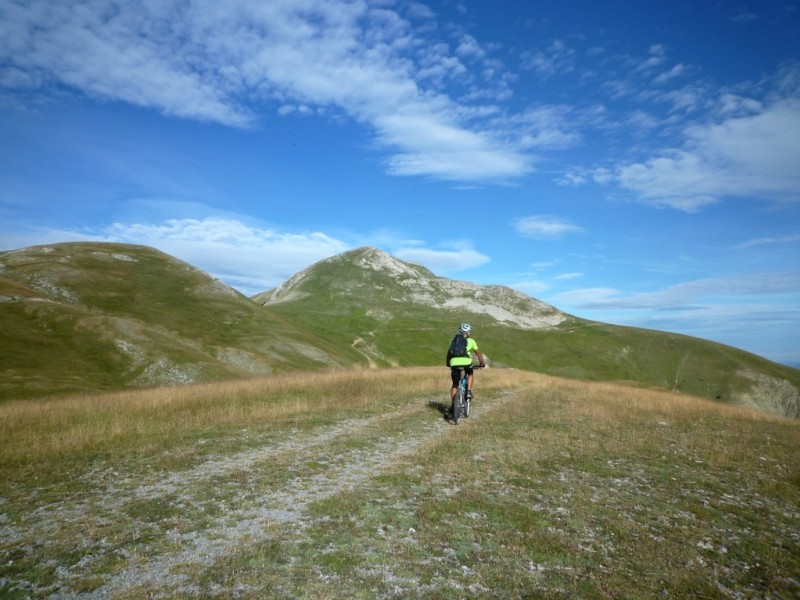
352, 485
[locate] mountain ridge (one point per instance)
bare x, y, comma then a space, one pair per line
92, 317
379, 303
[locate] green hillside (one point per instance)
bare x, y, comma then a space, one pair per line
93, 317
398, 313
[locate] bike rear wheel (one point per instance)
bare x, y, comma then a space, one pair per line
458, 405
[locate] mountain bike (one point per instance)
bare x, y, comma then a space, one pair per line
461, 401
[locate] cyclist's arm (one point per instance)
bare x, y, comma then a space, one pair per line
481, 361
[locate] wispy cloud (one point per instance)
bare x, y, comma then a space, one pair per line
108, 51
443, 261
724, 309
743, 156
223, 62
657, 57
689, 295
556, 58
672, 73
430, 146
725, 143
765, 241
545, 227
249, 257
532, 288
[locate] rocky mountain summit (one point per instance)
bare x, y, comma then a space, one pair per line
376, 277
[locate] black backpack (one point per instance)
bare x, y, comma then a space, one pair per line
458, 347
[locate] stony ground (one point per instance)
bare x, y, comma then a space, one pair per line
572, 490
152, 532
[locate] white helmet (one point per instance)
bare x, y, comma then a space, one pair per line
466, 328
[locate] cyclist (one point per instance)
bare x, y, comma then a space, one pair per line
454, 362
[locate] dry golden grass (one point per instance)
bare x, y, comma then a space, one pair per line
556, 487
80, 423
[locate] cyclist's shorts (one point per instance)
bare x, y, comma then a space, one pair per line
455, 374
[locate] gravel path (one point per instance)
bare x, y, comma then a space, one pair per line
243, 514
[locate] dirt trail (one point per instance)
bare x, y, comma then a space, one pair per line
243, 514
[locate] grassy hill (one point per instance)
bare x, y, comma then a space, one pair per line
398, 313
351, 484
100, 317
80, 317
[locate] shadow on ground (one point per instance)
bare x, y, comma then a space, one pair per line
443, 408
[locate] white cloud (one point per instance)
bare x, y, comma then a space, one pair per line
532, 288
443, 261
674, 72
420, 11
470, 48
431, 146
249, 258
733, 105
545, 227
216, 61
752, 156
656, 58
115, 54
551, 127
585, 297
557, 58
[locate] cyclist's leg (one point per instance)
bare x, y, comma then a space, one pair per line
470, 377
455, 376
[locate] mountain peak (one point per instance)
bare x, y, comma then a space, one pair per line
379, 283
373, 259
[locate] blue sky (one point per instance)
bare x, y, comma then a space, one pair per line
635, 163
